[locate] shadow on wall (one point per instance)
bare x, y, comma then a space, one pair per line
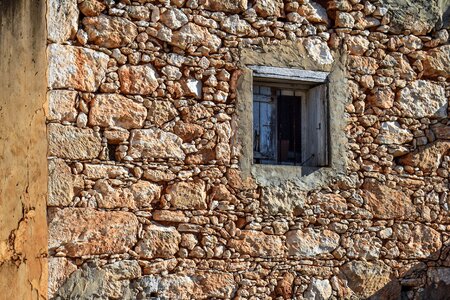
428, 279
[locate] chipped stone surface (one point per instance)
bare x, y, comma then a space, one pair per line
85, 231
258, 244
73, 143
232, 6
309, 242
158, 241
75, 67
437, 62
187, 195
109, 32
155, 143
192, 34
423, 99
60, 185
319, 51
113, 110
427, 158
393, 133
61, 105
138, 79
65, 14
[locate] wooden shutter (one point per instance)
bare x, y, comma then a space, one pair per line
315, 142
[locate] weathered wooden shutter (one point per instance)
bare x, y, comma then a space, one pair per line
316, 118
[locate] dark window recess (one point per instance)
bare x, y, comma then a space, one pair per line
112, 152
290, 126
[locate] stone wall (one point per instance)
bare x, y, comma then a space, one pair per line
23, 167
147, 197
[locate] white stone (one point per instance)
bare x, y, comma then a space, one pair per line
318, 51
309, 242
62, 20
61, 105
422, 99
174, 18
392, 133
319, 289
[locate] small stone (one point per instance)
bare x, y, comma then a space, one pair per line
357, 45
73, 143
145, 193
362, 65
75, 67
159, 241
140, 80
285, 286
235, 25
382, 98
344, 19
140, 13
82, 120
230, 6
268, 8
110, 32
192, 87
114, 110
192, 34
188, 131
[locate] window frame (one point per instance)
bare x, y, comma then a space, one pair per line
295, 80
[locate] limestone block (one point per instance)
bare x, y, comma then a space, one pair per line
161, 112
72, 143
85, 231
319, 289
62, 20
427, 158
231, 6
110, 32
75, 67
144, 193
192, 34
386, 202
268, 8
113, 196
114, 110
318, 51
91, 8
366, 279
425, 242
155, 143
59, 269
187, 195
309, 242
357, 45
422, 98
382, 98
258, 244
174, 18
140, 80
393, 133
215, 284
437, 62
235, 25
60, 184
173, 286
61, 105
159, 241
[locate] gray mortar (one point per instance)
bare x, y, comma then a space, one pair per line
289, 179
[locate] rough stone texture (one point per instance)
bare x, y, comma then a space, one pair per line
72, 143
158, 241
423, 99
23, 164
113, 110
425, 242
310, 243
187, 195
386, 202
65, 14
61, 105
75, 67
427, 158
60, 269
169, 110
155, 143
319, 289
258, 244
393, 133
60, 185
109, 32
232, 6
138, 79
367, 279
437, 62
85, 231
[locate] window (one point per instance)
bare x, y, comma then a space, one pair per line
290, 117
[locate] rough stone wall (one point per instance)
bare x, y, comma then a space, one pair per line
23, 167
146, 195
